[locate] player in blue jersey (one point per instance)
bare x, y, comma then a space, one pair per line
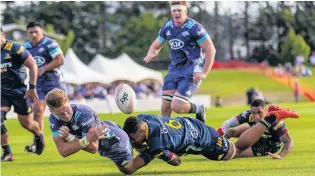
76, 127
169, 138
49, 58
14, 92
275, 139
192, 55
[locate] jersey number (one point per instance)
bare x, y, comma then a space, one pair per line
173, 124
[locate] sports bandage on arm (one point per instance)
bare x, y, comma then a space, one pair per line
232, 122
84, 142
70, 137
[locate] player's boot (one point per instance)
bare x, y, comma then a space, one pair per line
7, 157
40, 145
283, 114
31, 148
202, 115
273, 108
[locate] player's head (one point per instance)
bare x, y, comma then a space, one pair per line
136, 129
35, 32
179, 11
2, 37
258, 109
58, 104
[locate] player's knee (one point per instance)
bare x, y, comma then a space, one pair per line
27, 124
126, 170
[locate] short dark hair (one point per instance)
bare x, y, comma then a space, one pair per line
131, 124
33, 24
257, 103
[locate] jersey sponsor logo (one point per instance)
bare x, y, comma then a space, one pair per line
163, 129
168, 33
39, 60
21, 50
51, 125
8, 56
5, 66
176, 44
75, 127
41, 50
185, 33
87, 122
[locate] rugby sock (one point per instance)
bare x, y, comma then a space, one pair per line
193, 108
267, 121
6, 148
199, 109
40, 138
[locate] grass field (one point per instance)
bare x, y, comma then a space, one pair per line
300, 161
220, 82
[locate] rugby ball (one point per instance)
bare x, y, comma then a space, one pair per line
125, 98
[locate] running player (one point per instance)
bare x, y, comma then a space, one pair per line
187, 40
14, 92
49, 58
271, 141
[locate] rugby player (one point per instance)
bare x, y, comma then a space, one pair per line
271, 141
77, 127
49, 58
14, 92
192, 55
169, 138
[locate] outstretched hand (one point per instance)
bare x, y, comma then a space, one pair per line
274, 155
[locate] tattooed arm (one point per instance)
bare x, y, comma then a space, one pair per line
288, 144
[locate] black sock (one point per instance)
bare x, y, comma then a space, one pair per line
267, 121
6, 148
193, 108
40, 138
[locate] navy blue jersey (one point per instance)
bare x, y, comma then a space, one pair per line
115, 146
44, 53
184, 43
13, 72
178, 135
275, 131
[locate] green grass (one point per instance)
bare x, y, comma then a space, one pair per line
300, 161
235, 82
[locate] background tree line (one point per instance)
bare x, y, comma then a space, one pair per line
279, 33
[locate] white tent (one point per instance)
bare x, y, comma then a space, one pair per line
111, 68
139, 71
123, 68
81, 73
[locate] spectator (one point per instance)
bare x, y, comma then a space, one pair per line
218, 101
279, 70
312, 59
296, 90
299, 60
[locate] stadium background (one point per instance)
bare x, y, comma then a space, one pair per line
245, 39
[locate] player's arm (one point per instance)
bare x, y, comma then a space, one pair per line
31, 65
138, 162
287, 144
226, 125
154, 49
209, 50
58, 58
67, 148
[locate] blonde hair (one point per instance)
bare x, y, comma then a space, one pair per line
178, 3
56, 98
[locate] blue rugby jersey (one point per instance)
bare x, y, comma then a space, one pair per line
44, 53
183, 42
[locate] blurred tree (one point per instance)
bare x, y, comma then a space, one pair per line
293, 45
